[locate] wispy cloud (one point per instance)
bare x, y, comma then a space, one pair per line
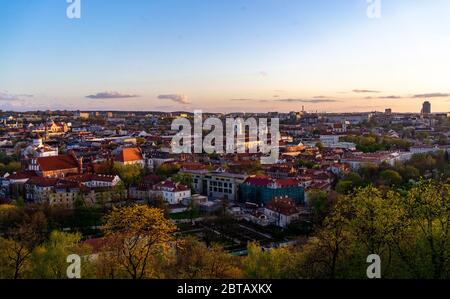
178, 98
313, 101
432, 95
111, 95
365, 91
9, 97
391, 97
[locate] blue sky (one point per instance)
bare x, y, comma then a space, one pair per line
224, 55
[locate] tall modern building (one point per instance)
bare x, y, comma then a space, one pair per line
426, 108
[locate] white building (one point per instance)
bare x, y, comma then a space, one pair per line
38, 150
359, 160
173, 193
282, 212
425, 149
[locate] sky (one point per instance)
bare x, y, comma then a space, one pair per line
225, 55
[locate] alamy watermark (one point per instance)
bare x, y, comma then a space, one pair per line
374, 9
74, 269
374, 269
73, 10
238, 138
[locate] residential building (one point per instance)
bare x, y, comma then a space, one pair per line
56, 166
216, 184
282, 211
262, 189
130, 156
173, 193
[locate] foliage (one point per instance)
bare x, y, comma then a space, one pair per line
320, 205
50, 259
272, 264
194, 260
129, 174
374, 143
167, 170
184, 179
138, 235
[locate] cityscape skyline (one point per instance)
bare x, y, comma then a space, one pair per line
234, 56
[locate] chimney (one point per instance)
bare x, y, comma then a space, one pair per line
78, 160
80, 165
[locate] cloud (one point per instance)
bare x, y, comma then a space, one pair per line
390, 97
6, 96
111, 95
432, 95
178, 98
263, 74
365, 91
313, 101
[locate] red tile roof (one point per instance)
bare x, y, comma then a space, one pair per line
42, 182
260, 181
283, 206
171, 186
88, 177
287, 182
61, 162
22, 175
129, 155
264, 181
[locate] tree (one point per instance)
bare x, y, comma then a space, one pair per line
348, 183
50, 260
138, 234
14, 259
333, 241
320, 146
160, 203
167, 170
391, 178
375, 221
318, 202
13, 167
411, 173
427, 220
193, 209
194, 260
18, 244
129, 174
272, 264
184, 179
